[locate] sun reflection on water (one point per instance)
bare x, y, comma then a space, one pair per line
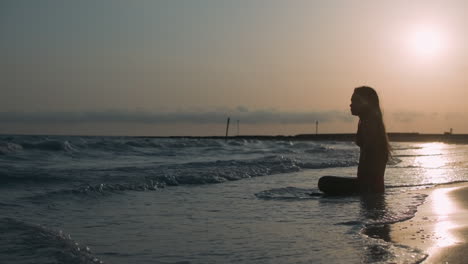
443, 207
432, 155
434, 161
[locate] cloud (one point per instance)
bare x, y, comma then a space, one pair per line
411, 117
240, 113
453, 116
408, 117
242, 109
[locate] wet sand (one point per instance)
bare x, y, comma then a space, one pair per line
440, 227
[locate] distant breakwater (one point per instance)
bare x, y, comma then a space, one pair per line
396, 137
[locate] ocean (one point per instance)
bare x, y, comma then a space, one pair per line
79, 199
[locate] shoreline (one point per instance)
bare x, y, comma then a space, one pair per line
440, 225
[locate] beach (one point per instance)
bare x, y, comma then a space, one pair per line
440, 226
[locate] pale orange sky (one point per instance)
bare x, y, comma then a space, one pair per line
183, 67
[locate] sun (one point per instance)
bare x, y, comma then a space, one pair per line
426, 42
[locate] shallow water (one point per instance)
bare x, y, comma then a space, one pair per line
130, 200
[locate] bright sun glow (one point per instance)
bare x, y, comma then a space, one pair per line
426, 42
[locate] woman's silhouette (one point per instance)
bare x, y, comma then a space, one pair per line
374, 148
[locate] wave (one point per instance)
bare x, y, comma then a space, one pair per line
426, 185
151, 178
408, 167
229, 170
383, 251
204, 172
331, 164
378, 213
418, 155
376, 229
50, 145
318, 149
221, 170
88, 190
393, 161
11, 175
289, 193
30, 243
8, 147
406, 148
9, 205
112, 144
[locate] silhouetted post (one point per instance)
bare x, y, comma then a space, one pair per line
237, 127
316, 127
227, 126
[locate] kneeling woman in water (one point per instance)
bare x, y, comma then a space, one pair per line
374, 148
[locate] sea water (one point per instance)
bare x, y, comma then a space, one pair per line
186, 200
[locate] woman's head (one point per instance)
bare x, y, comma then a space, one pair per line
365, 104
364, 100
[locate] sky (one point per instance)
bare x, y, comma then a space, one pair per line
182, 67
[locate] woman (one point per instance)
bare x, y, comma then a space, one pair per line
374, 148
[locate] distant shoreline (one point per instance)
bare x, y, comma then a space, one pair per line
394, 137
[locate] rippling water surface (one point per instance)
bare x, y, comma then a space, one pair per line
153, 200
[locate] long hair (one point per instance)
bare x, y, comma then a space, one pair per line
374, 105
